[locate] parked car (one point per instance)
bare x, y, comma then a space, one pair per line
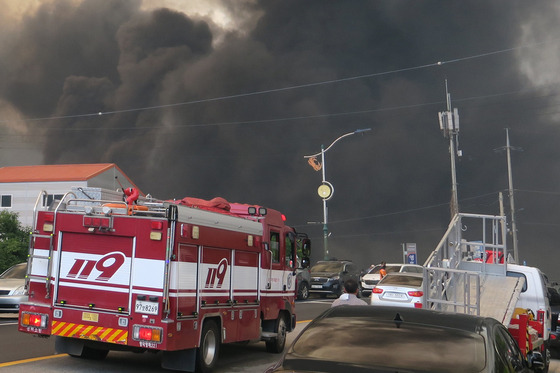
371, 277
12, 288
394, 339
328, 277
399, 289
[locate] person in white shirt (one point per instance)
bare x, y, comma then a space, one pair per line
350, 295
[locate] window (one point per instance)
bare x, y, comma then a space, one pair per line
275, 246
6, 200
517, 274
49, 198
508, 356
290, 245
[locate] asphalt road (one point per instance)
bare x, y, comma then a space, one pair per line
22, 353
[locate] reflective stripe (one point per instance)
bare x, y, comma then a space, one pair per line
101, 334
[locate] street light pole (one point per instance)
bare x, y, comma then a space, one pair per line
326, 189
325, 208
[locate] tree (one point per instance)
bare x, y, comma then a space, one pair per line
14, 240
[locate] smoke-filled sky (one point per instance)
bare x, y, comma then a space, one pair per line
225, 98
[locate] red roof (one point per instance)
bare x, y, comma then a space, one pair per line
61, 172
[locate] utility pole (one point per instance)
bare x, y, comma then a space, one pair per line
508, 149
449, 125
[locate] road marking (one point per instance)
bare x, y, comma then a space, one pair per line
8, 323
10, 363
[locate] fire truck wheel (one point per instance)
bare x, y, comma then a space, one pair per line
303, 291
207, 353
276, 344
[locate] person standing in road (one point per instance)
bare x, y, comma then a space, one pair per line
350, 296
382, 271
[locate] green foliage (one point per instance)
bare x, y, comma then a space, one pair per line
14, 240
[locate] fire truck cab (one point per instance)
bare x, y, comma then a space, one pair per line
111, 272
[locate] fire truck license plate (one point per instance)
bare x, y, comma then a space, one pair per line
150, 308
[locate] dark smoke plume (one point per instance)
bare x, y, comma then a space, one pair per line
187, 107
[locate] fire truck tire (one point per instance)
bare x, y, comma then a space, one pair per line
303, 291
207, 353
276, 344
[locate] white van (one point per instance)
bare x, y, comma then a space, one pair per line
534, 295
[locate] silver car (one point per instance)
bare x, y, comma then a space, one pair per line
12, 288
399, 290
371, 277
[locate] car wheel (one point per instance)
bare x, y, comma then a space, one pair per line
207, 353
303, 291
276, 344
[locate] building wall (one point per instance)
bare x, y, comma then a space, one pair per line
24, 196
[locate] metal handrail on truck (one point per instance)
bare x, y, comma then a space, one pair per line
473, 246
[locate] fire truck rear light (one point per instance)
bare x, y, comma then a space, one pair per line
49, 217
35, 320
252, 210
144, 333
249, 240
157, 225
284, 217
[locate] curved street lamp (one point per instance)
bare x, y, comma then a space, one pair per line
326, 189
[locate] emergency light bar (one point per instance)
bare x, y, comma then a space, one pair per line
252, 210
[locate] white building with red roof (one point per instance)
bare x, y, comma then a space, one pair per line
21, 186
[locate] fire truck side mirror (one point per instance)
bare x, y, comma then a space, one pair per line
306, 247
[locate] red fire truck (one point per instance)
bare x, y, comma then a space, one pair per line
181, 277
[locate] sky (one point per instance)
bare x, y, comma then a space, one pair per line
222, 98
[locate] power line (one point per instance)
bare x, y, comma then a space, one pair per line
274, 90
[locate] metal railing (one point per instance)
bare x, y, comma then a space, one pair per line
473, 245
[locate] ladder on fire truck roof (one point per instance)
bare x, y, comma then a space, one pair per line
34, 259
469, 274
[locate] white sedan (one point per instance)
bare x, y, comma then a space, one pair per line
399, 289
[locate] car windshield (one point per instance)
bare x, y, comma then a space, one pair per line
388, 268
18, 271
336, 343
402, 280
327, 267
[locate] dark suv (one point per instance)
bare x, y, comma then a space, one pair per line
328, 277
